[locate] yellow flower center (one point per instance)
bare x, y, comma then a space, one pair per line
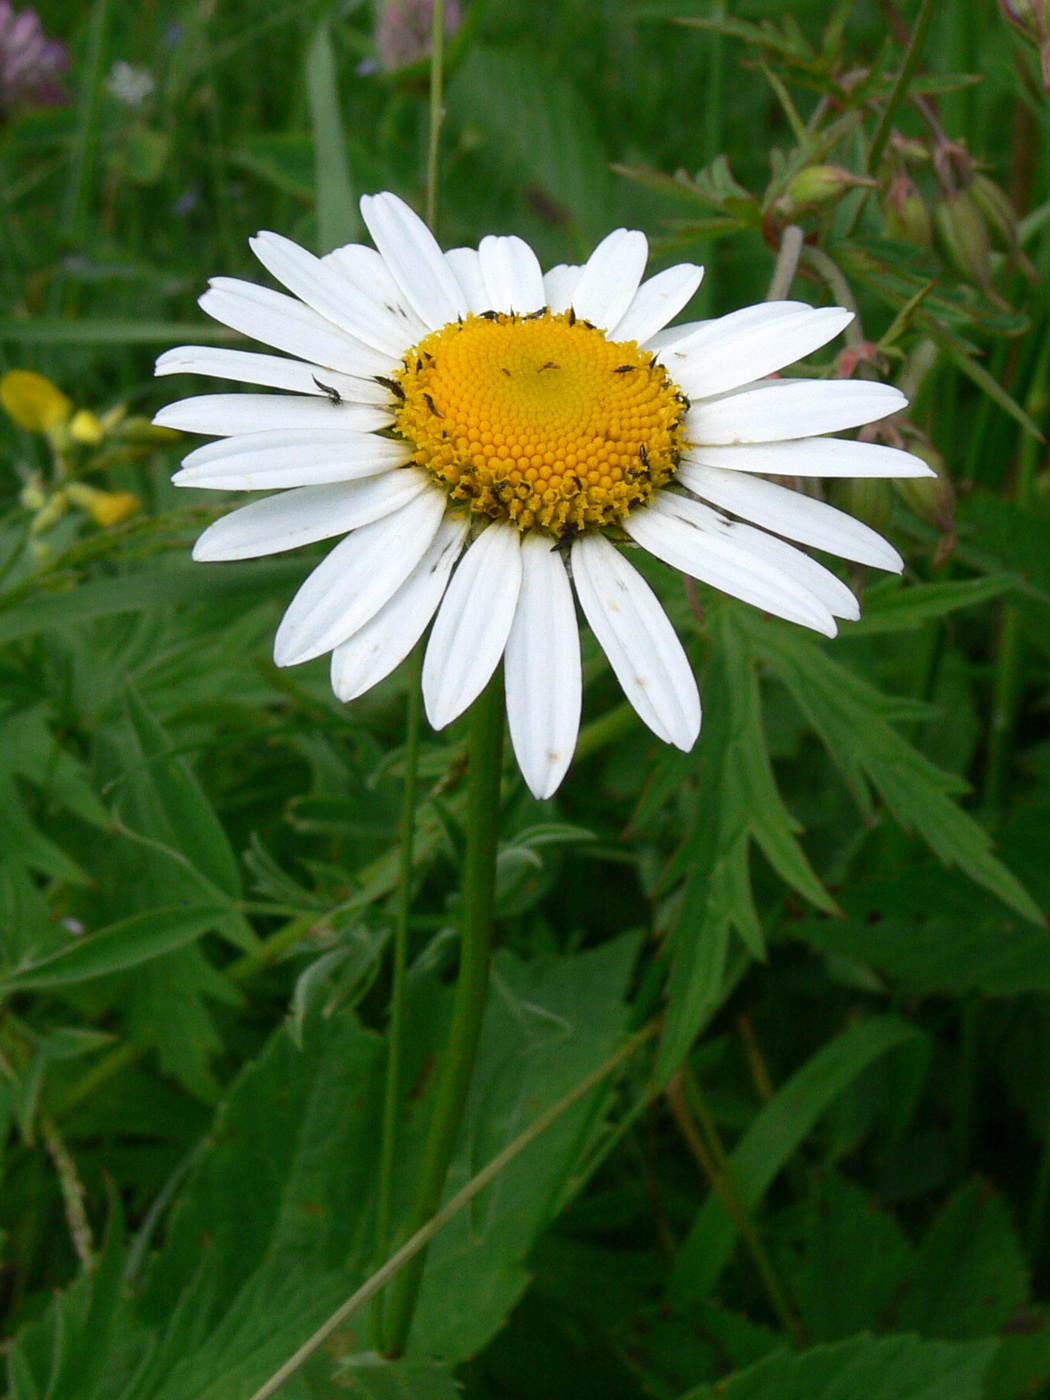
540, 420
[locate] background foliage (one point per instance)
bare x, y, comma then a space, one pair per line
832, 1178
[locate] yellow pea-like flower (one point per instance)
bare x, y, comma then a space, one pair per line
32, 401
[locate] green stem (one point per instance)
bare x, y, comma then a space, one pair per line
396, 1031
437, 111
900, 87
457, 1064
462, 1198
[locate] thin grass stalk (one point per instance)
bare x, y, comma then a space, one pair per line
468, 1008
396, 1030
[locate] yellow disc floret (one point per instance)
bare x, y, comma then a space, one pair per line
540, 419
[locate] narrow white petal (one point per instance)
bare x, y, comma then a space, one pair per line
634, 632
814, 578
365, 268
742, 347
276, 461
307, 514
813, 456
332, 295
466, 266
790, 513
472, 625
271, 371
723, 556
559, 284
512, 274
672, 335
542, 669
226, 414
415, 261
610, 278
285, 323
658, 301
359, 576
789, 408
384, 641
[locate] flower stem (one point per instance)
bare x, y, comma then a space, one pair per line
787, 263
396, 1030
903, 82
437, 111
478, 899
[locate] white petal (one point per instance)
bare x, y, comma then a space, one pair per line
285, 323
813, 456
332, 295
269, 370
672, 335
790, 513
472, 625
743, 346
365, 268
722, 556
658, 301
787, 408
512, 274
466, 266
415, 261
226, 414
309, 513
275, 461
635, 634
559, 284
359, 576
814, 578
542, 669
384, 641
610, 278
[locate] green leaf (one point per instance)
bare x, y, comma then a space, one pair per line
533, 121
863, 1368
197, 831
774, 1136
853, 720
738, 802
130, 593
974, 370
971, 1275
128, 943
370, 1377
891, 606
856, 1259
65, 331
1020, 1368
338, 220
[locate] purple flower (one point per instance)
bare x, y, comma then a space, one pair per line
29, 61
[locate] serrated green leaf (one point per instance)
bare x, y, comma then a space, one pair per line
774, 1136
852, 719
971, 1275
864, 1368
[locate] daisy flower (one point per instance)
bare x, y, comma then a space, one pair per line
484, 434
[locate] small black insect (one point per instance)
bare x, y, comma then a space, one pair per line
643, 453
391, 384
565, 539
333, 395
505, 370
535, 315
430, 405
490, 315
624, 369
590, 325
419, 365
549, 365
572, 317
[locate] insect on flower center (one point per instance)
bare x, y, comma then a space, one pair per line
540, 419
